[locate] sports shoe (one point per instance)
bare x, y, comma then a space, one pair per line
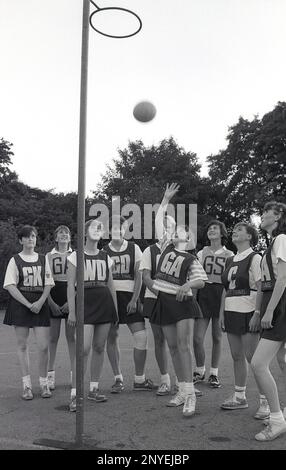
27, 394
164, 389
45, 392
214, 382
117, 387
146, 385
95, 396
72, 404
197, 377
263, 411
271, 432
51, 382
234, 403
198, 393
189, 405
177, 400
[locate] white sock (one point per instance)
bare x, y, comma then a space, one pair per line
277, 418
240, 392
43, 381
51, 374
93, 385
27, 381
165, 379
119, 377
181, 386
189, 388
139, 379
214, 371
177, 382
73, 392
200, 370
261, 398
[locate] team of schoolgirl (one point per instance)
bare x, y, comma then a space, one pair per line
243, 295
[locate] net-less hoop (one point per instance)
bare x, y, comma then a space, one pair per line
126, 10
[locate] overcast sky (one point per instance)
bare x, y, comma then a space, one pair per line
203, 63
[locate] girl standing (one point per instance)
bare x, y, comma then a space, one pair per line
148, 267
128, 281
58, 299
100, 306
178, 272
240, 313
273, 317
29, 280
213, 259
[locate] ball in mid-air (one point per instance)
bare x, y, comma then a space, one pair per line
144, 111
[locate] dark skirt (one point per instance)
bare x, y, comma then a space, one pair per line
278, 332
209, 299
99, 306
59, 296
123, 299
148, 306
237, 323
19, 315
167, 310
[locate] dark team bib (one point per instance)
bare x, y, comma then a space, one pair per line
58, 264
214, 264
124, 262
96, 271
235, 278
31, 274
173, 266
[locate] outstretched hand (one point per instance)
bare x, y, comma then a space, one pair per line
171, 190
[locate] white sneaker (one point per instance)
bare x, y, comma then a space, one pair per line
45, 391
271, 432
177, 400
263, 411
234, 403
189, 405
164, 389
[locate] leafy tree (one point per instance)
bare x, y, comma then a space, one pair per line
8, 247
251, 170
140, 174
5, 161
